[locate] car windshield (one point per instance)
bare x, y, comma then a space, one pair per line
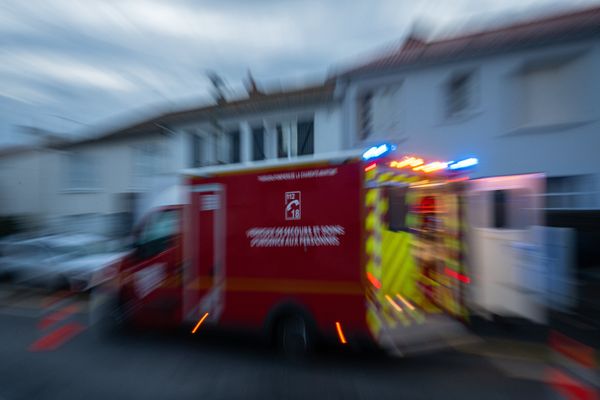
81, 250
31, 251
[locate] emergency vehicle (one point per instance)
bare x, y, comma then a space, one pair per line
355, 247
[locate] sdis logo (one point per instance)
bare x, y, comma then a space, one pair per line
292, 206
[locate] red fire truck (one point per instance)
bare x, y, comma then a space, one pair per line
358, 247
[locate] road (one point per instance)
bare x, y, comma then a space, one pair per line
48, 351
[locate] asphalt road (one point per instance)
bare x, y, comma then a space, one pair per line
48, 351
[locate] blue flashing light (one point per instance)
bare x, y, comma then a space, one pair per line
466, 163
377, 151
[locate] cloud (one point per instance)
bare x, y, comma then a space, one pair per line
88, 61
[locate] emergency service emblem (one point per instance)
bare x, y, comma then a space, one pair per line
292, 206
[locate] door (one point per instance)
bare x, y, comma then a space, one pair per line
502, 212
158, 265
204, 272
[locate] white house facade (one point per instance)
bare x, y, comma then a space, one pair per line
522, 98
104, 183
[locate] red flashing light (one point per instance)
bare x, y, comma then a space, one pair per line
457, 275
374, 281
370, 167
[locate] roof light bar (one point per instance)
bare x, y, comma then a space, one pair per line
378, 151
466, 163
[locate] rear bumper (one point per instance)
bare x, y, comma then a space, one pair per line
435, 332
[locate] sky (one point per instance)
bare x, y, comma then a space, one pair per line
76, 67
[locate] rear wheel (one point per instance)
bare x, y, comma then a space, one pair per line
294, 339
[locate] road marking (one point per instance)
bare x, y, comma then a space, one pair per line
58, 316
57, 338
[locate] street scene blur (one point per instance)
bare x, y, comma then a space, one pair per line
300, 199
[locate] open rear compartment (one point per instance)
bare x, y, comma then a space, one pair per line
415, 256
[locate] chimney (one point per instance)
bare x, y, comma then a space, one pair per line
251, 86
417, 38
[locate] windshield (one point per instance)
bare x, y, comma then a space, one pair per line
76, 251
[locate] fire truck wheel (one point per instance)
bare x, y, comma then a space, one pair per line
293, 337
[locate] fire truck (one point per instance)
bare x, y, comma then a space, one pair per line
357, 247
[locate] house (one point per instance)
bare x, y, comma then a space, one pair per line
21, 179
105, 182
522, 98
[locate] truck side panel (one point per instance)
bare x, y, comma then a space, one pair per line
291, 236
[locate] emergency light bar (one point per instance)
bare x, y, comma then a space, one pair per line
466, 163
415, 163
418, 165
378, 151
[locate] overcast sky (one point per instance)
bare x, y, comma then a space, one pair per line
69, 66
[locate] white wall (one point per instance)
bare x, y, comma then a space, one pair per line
562, 142
20, 180
36, 182
116, 168
328, 129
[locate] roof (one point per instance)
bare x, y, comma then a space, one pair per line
536, 32
255, 103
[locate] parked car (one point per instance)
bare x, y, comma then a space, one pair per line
59, 261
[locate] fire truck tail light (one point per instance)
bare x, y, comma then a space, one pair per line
374, 281
457, 275
340, 333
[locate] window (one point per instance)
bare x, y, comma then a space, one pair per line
30, 252
228, 147
197, 151
81, 172
295, 139
386, 111
234, 146
258, 144
397, 209
551, 91
148, 159
570, 192
460, 94
500, 206
306, 138
158, 233
283, 140
365, 113
512, 208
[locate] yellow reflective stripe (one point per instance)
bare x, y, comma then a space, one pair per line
382, 206
370, 221
371, 197
371, 174
386, 176
370, 246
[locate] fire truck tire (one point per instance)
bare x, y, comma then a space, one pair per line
293, 335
